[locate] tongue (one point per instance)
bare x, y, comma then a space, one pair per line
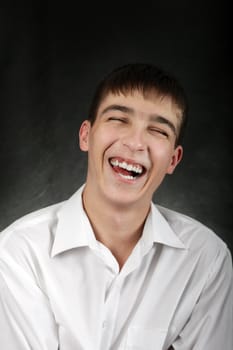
121, 171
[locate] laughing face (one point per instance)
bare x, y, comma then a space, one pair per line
131, 147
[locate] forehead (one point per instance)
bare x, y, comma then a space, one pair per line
151, 103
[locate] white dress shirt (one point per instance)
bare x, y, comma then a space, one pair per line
62, 289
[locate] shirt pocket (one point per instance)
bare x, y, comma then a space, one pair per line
139, 338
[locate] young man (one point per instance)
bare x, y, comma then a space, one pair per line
108, 269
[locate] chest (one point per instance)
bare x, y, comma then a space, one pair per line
147, 303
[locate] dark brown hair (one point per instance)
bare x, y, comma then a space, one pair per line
146, 78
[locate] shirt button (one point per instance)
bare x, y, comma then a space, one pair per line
104, 324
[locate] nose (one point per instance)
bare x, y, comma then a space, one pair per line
134, 140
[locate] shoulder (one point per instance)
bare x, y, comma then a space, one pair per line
197, 237
29, 228
206, 255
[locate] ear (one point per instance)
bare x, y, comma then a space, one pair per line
175, 160
84, 135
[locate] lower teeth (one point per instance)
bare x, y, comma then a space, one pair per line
127, 177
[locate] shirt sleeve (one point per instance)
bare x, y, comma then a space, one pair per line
210, 326
26, 319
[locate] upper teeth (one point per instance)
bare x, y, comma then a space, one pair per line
130, 167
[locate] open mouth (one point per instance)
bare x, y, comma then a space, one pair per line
126, 169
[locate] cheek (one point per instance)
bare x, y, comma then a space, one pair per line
106, 136
101, 140
161, 151
161, 157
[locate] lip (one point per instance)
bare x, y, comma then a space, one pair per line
128, 161
120, 176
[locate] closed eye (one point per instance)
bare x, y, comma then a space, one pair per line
118, 119
159, 131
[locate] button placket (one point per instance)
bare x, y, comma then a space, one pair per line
110, 315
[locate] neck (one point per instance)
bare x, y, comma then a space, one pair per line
118, 228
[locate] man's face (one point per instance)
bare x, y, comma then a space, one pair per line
131, 147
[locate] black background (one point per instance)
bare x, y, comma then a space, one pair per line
51, 58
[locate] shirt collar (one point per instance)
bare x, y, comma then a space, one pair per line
158, 230
74, 229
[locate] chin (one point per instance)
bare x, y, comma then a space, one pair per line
122, 199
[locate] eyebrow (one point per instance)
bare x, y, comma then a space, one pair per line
153, 117
120, 108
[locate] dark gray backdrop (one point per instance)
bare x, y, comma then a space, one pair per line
52, 58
